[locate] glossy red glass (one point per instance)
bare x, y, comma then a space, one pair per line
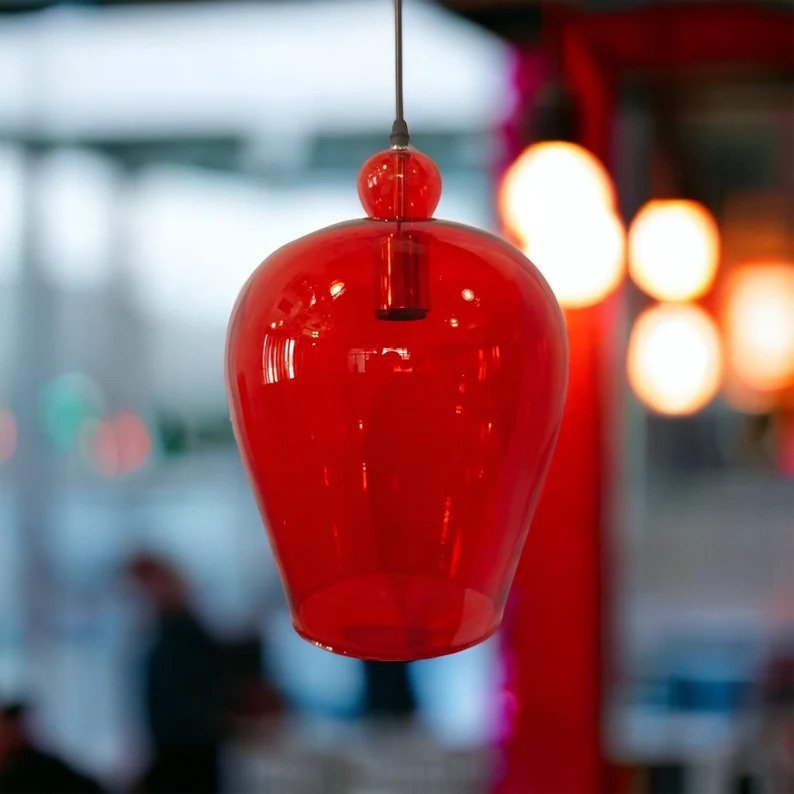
399, 184
396, 388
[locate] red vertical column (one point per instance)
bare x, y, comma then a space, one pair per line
553, 637
553, 632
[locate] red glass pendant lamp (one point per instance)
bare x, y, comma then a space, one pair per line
396, 386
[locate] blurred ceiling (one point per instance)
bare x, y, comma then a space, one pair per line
143, 72
515, 20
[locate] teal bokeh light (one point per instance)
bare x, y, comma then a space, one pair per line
66, 403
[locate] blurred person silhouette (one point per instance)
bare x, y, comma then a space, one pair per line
27, 769
185, 687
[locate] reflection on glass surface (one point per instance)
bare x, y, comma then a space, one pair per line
278, 359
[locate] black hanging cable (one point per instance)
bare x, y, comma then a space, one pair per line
399, 130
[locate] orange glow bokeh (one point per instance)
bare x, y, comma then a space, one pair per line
758, 316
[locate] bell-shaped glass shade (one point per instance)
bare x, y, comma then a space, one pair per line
396, 389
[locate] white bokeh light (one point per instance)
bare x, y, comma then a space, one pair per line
558, 201
674, 248
675, 359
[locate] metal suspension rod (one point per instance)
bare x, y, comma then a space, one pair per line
399, 132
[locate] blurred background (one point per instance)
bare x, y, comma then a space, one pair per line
641, 153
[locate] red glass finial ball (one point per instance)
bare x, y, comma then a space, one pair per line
399, 184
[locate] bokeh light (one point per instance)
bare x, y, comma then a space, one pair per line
675, 359
134, 440
550, 176
581, 258
558, 200
120, 445
8, 435
759, 326
68, 401
674, 248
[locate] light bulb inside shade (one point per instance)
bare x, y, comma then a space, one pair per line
581, 254
759, 326
675, 359
551, 178
674, 249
